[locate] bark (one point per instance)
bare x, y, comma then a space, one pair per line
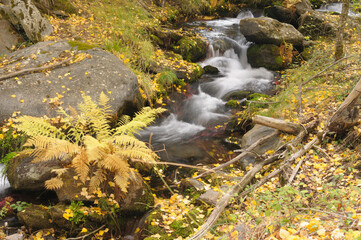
339, 47
279, 124
347, 115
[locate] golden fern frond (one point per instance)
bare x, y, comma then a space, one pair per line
80, 165
121, 178
60, 171
104, 102
139, 153
34, 126
96, 180
123, 120
74, 113
114, 162
96, 117
54, 183
127, 140
141, 120
94, 148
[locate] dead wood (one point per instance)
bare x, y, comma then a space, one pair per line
279, 124
223, 202
36, 69
347, 115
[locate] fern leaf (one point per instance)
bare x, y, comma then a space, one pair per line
94, 148
127, 140
80, 164
104, 102
139, 153
96, 180
122, 180
34, 126
141, 120
60, 171
54, 183
114, 163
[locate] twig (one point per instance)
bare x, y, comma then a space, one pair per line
329, 213
87, 235
294, 172
240, 156
36, 69
172, 164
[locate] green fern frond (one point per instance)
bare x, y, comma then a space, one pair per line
34, 126
141, 120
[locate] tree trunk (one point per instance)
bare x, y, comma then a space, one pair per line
339, 48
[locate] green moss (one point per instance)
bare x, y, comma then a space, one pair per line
197, 72
232, 103
80, 45
192, 49
66, 6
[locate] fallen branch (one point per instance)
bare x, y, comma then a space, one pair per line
240, 156
172, 164
87, 235
294, 172
36, 69
279, 124
223, 202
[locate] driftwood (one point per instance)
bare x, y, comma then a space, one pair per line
347, 115
279, 124
36, 69
223, 202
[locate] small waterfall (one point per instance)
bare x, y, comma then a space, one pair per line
335, 7
206, 108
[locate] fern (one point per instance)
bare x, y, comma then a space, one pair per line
96, 151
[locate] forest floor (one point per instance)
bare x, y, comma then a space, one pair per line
324, 199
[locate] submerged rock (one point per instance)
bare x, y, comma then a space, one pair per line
266, 30
94, 72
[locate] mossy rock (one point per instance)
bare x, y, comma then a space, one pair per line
81, 46
54, 6
232, 104
265, 55
192, 49
35, 217
210, 69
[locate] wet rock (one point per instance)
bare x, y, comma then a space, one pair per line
25, 175
25, 13
265, 55
258, 132
237, 95
35, 217
98, 72
315, 24
266, 30
8, 37
192, 49
210, 69
16, 236
192, 183
282, 14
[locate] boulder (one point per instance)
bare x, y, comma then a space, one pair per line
56, 7
266, 30
265, 55
210, 69
316, 24
25, 175
8, 37
25, 13
94, 72
192, 49
282, 14
35, 218
303, 6
258, 132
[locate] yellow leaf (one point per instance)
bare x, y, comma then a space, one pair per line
84, 230
284, 234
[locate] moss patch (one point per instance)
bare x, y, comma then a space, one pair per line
81, 45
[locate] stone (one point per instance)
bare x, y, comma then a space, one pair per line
265, 55
8, 37
258, 132
266, 30
192, 183
56, 213
16, 236
210, 69
98, 71
303, 6
35, 217
192, 49
282, 14
57, 7
210, 197
32, 22
25, 175
316, 24
237, 95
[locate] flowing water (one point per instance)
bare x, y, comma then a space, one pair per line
205, 108
336, 7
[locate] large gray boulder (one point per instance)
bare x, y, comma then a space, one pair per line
266, 30
265, 55
26, 14
316, 24
97, 71
8, 37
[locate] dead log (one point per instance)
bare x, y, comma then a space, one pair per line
223, 202
279, 124
347, 115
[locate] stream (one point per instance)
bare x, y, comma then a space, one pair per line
190, 133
